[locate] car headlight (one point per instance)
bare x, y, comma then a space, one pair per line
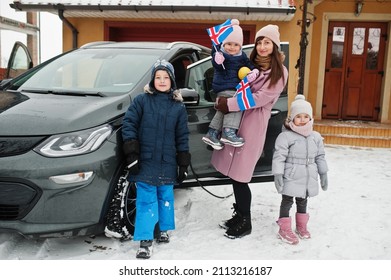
74, 143
80, 177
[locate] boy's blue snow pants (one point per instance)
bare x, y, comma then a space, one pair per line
153, 204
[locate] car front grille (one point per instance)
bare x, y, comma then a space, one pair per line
11, 146
16, 199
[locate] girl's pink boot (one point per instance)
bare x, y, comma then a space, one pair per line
285, 233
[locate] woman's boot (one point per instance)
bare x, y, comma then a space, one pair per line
241, 228
226, 224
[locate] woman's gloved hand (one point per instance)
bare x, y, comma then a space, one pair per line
222, 105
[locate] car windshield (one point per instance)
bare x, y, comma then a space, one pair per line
91, 71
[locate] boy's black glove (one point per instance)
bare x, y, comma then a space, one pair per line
183, 161
132, 153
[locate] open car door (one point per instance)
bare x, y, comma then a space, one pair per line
19, 62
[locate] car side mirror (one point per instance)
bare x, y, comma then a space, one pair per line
190, 96
4, 83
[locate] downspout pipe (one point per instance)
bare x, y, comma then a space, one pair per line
74, 30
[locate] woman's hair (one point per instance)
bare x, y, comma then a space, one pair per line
276, 66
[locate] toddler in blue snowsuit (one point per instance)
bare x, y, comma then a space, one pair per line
228, 58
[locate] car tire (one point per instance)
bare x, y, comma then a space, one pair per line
119, 222
130, 209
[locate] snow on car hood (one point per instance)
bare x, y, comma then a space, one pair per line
47, 114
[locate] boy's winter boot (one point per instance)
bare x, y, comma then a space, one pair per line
241, 228
285, 233
145, 250
226, 224
301, 225
211, 139
229, 137
163, 237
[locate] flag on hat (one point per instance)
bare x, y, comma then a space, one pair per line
220, 32
244, 96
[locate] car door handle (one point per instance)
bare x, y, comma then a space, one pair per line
275, 112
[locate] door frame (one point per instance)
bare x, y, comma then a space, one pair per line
369, 78
385, 95
353, 90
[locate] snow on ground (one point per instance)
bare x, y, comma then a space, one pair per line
350, 221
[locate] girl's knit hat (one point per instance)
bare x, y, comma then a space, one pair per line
299, 106
236, 36
270, 31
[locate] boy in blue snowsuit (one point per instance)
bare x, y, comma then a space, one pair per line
156, 148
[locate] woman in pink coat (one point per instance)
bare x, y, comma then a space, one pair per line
267, 81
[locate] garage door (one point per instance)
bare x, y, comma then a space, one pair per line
166, 32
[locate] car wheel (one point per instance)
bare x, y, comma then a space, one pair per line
122, 210
130, 207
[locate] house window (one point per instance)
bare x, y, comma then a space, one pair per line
337, 47
358, 41
373, 48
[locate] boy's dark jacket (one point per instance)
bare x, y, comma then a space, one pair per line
227, 79
159, 122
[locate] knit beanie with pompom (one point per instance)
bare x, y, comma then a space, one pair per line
236, 36
300, 106
270, 31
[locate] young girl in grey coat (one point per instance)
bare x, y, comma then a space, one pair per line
298, 159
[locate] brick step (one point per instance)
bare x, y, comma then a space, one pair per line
355, 133
357, 141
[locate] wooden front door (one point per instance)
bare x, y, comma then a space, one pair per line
354, 70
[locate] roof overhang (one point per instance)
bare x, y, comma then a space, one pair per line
153, 9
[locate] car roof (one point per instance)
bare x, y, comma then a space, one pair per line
144, 45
